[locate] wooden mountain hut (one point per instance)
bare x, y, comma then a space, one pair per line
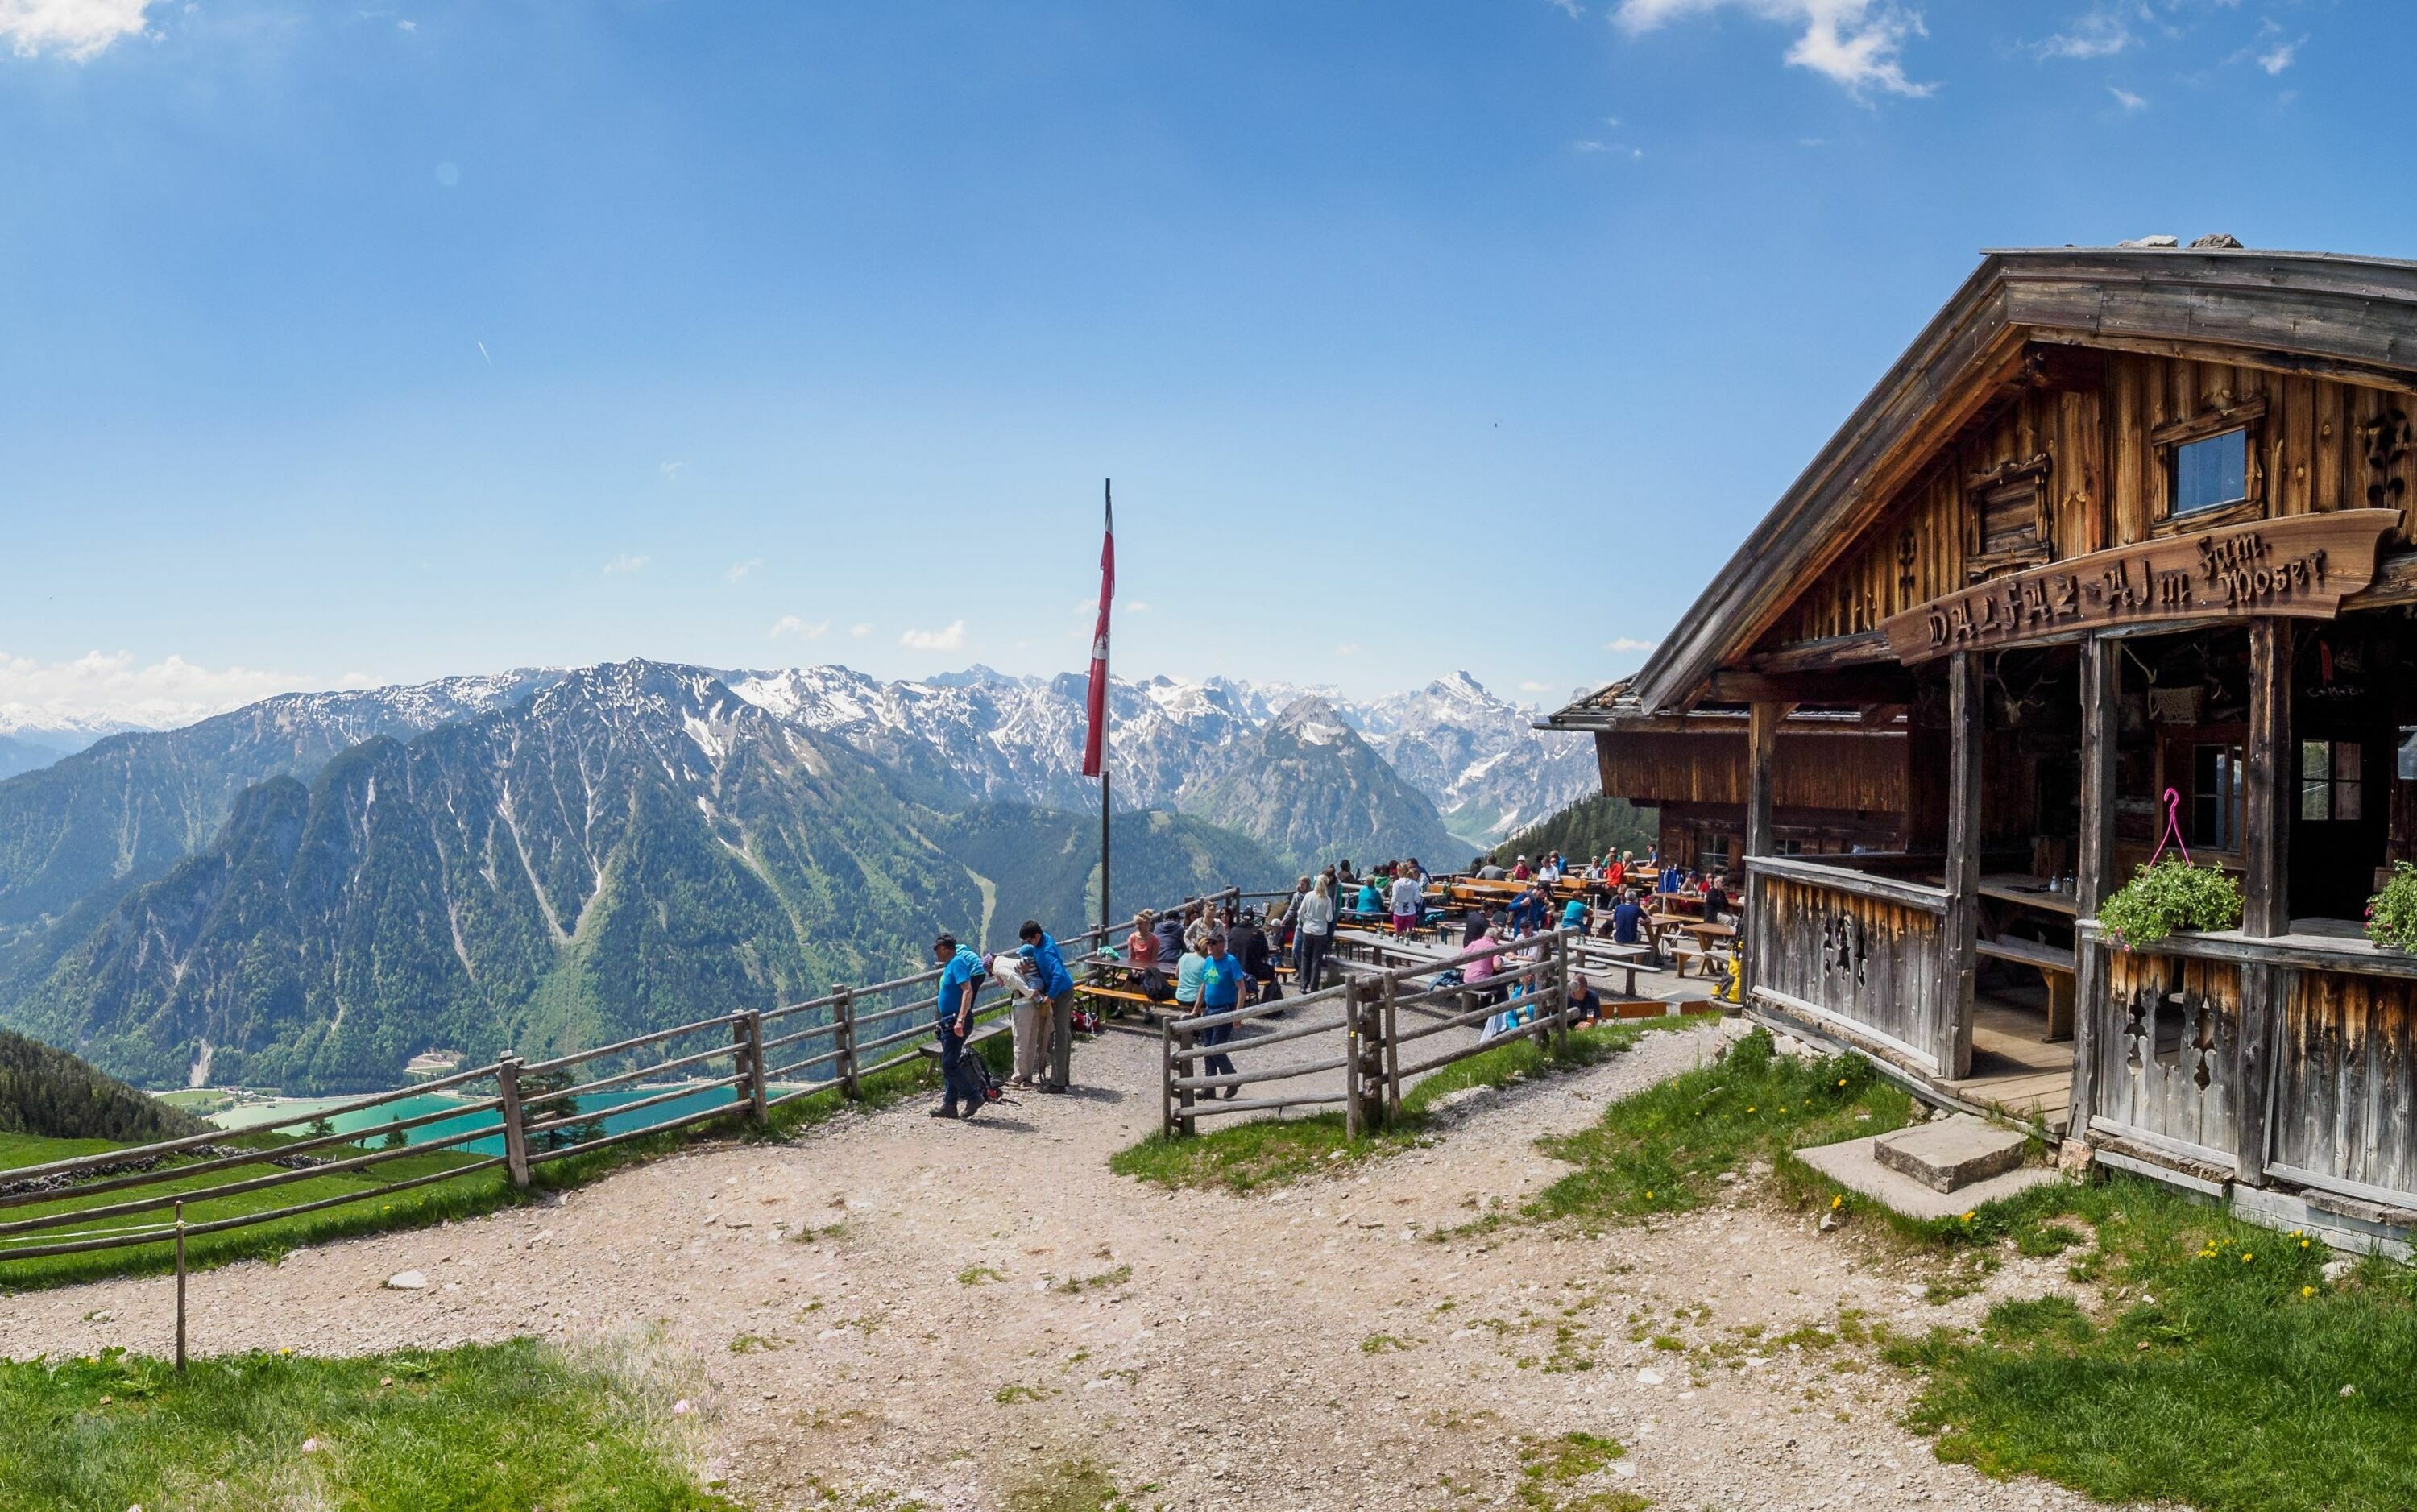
2121, 546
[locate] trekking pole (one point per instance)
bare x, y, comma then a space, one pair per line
180, 1288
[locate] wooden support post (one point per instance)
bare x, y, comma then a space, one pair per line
749, 1031
2094, 1015
1166, 1077
1762, 764
1959, 959
1351, 1110
180, 1288
2266, 886
2266, 830
844, 1019
508, 1089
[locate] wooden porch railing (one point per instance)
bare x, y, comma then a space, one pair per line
1857, 955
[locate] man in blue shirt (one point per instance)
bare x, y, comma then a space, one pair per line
961, 978
1220, 992
1057, 985
1627, 921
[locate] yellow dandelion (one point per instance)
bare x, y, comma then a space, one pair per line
2246, 1257
1749, 1107
2307, 1291
1968, 1218
1842, 1081
1836, 1201
2303, 1244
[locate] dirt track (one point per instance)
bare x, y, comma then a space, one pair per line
1306, 1349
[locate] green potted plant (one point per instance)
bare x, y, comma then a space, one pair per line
2392, 913
2168, 895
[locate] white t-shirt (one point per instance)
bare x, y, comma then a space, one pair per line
1407, 899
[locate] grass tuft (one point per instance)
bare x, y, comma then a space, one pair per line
517, 1423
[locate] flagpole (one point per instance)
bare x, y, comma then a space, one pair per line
1108, 909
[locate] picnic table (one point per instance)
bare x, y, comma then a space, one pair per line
1607, 955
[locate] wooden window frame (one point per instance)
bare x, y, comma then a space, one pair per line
1979, 563
2247, 416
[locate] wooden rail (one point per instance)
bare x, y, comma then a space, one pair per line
1362, 1020
745, 1062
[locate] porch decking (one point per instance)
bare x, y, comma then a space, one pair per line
2013, 1069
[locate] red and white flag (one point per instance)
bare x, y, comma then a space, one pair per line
1095, 745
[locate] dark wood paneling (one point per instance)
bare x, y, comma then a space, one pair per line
1854, 770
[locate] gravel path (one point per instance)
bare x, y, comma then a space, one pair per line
983, 1305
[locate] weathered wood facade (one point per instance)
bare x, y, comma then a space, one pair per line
2116, 554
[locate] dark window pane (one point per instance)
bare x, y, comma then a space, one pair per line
2314, 791
2212, 472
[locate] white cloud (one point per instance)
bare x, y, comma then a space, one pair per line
101, 688
1531, 685
1568, 7
1139, 606
791, 625
2129, 101
670, 470
1592, 146
406, 25
1857, 44
81, 29
1348, 648
1628, 643
2280, 56
625, 562
950, 638
859, 631
2101, 34
739, 570
1812, 141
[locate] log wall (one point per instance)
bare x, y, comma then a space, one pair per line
2319, 445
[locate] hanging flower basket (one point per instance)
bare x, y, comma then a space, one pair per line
2167, 894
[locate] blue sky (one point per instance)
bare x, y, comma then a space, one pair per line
372, 342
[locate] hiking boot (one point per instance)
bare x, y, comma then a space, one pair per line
973, 1108
1054, 1087
945, 1110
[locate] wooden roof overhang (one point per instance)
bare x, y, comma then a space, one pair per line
2352, 319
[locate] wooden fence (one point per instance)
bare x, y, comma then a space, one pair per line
745, 1063
1853, 952
1367, 1029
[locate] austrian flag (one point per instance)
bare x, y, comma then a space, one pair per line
1095, 744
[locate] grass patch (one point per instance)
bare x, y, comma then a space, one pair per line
2215, 1375
469, 1196
1072, 1486
979, 1276
1549, 1468
1663, 1150
515, 1424
1117, 1276
1274, 1152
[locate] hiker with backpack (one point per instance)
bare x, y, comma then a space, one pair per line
961, 980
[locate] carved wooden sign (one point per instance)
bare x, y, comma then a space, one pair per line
2301, 566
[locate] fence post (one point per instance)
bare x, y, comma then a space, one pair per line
180, 1288
843, 1020
751, 1036
507, 1088
1184, 1096
1561, 977
1351, 1110
1392, 1052
1166, 1077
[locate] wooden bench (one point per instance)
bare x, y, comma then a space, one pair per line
2055, 965
1126, 996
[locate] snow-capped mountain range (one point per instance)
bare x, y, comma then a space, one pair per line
1476, 757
